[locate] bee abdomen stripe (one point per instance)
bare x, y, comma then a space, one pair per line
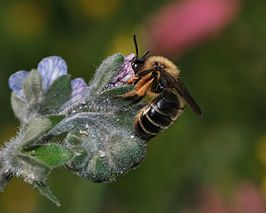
148, 126
167, 107
141, 132
179, 112
158, 110
170, 99
150, 120
158, 118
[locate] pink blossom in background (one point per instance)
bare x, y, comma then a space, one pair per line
248, 199
186, 23
210, 201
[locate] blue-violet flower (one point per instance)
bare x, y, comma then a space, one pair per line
50, 68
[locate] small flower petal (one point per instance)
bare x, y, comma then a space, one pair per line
125, 73
79, 89
15, 82
129, 57
51, 68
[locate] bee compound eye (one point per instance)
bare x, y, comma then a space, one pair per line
134, 65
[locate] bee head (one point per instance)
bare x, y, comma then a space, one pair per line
137, 62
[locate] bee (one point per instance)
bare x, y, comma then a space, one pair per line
158, 78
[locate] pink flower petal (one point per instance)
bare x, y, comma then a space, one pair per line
249, 199
185, 24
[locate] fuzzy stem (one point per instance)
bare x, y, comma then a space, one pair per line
5, 177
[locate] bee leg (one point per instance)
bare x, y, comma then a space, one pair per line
131, 96
143, 86
144, 72
140, 91
128, 95
135, 79
132, 80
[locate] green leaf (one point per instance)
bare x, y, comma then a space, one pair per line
45, 191
31, 169
52, 155
117, 91
32, 86
105, 73
79, 160
37, 129
57, 95
55, 119
113, 96
78, 122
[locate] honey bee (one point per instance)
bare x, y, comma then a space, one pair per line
158, 78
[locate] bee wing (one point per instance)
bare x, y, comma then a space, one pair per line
182, 91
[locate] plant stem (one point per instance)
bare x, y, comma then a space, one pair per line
5, 177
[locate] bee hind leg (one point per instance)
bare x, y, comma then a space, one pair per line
131, 96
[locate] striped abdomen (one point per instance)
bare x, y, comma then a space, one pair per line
158, 115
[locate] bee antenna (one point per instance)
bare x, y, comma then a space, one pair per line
136, 45
145, 54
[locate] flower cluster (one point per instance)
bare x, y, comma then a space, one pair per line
50, 69
65, 122
126, 71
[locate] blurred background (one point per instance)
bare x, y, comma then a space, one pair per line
214, 164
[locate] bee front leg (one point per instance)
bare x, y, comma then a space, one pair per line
139, 92
132, 80
128, 95
131, 96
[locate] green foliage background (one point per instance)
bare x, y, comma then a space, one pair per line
227, 76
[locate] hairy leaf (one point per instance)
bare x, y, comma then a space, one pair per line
52, 155
57, 95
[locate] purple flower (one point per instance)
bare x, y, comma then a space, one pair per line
50, 68
124, 74
79, 89
15, 82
